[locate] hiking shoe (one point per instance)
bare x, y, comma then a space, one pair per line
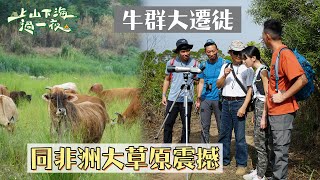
251, 175
256, 177
241, 170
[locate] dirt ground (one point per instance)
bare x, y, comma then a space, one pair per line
297, 168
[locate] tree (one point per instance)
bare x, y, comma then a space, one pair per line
300, 18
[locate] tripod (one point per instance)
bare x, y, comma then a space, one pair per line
185, 87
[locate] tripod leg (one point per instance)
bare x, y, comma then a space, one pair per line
165, 119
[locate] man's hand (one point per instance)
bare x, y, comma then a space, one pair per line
198, 102
278, 98
164, 100
241, 112
227, 71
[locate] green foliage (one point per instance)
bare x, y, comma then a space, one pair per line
90, 47
130, 2
71, 61
19, 47
151, 80
92, 8
301, 21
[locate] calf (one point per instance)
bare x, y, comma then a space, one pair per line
132, 111
113, 94
17, 96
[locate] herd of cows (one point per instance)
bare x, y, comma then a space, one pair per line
69, 110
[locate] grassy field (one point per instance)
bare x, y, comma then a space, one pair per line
33, 123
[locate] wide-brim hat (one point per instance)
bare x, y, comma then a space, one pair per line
182, 44
236, 45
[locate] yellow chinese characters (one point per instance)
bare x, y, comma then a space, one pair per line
41, 156
136, 157
160, 158
65, 157
208, 158
183, 157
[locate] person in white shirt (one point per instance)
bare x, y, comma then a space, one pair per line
235, 102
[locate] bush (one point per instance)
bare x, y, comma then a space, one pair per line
20, 46
151, 80
89, 46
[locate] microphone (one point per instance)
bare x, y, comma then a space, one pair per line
193, 70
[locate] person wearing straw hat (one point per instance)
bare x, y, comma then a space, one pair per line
235, 79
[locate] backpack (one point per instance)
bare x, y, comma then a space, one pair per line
308, 89
172, 62
258, 82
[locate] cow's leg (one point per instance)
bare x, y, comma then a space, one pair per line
59, 132
53, 132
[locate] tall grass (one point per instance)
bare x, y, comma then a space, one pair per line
33, 123
70, 60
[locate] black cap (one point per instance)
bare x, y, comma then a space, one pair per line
182, 44
209, 42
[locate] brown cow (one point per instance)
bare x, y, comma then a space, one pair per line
4, 90
132, 111
116, 93
86, 117
8, 112
93, 99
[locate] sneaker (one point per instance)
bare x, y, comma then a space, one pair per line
256, 177
241, 170
251, 175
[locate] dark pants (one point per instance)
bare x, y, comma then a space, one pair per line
177, 108
230, 121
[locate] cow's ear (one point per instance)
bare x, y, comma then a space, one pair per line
71, 97
46, 97
48, 87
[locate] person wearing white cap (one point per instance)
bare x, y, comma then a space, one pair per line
235, 79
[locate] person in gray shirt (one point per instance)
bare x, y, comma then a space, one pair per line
175, 81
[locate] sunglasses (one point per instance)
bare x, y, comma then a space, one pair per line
236, 53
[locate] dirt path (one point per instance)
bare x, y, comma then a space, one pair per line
302, 165
228, 172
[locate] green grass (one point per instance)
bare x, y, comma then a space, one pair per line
74, 62
33, 123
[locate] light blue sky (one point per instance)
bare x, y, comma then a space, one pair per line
249, 30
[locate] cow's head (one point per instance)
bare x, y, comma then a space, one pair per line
96, 88
58, 99
4, 90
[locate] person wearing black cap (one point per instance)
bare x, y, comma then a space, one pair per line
183, 59
208, 93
